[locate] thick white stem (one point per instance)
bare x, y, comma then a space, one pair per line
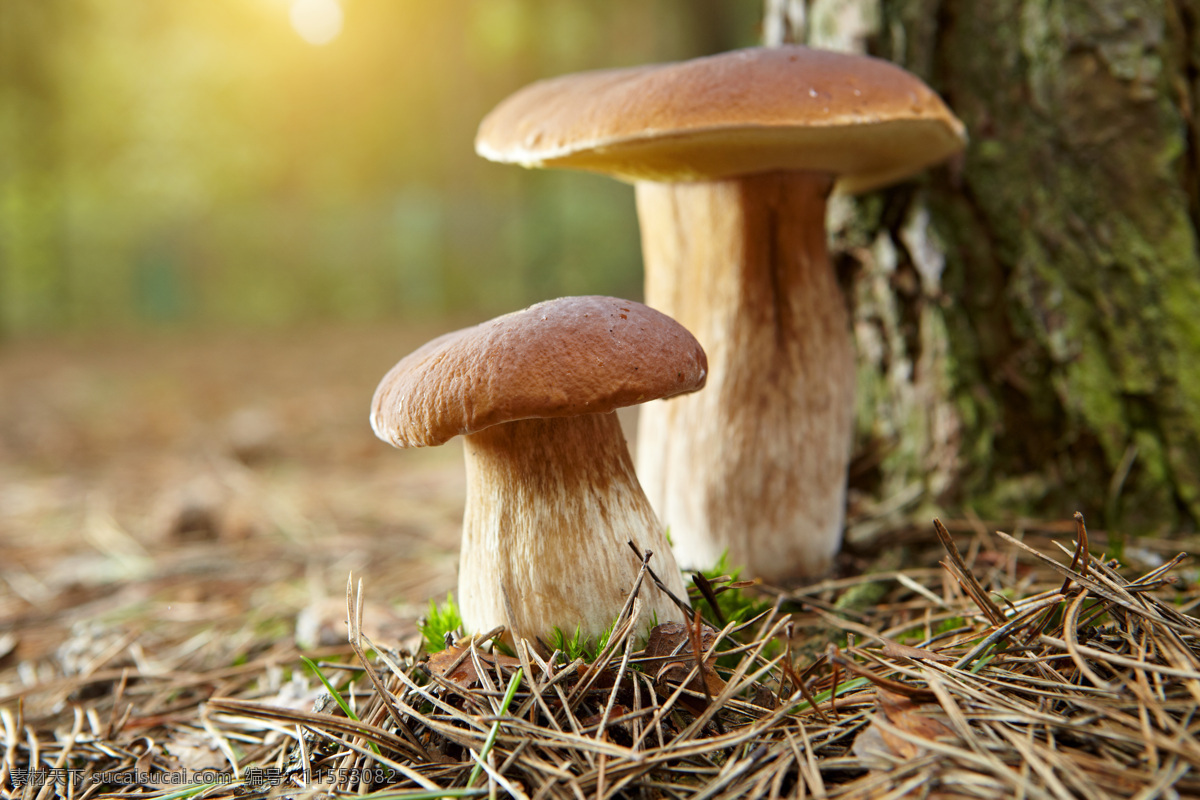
755, 464
551, 504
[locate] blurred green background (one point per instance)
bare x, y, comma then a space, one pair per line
200, 163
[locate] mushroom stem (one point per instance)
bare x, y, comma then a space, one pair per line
551, 504
756, 464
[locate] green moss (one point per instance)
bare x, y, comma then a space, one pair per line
578, 645
735, 605
440, 621
1072, 255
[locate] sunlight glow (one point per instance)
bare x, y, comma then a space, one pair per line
317, 21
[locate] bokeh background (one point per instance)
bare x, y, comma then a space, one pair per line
251, 163
221, 222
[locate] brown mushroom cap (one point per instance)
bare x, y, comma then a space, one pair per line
560, 358
756, 110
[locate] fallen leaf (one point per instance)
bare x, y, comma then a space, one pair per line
665, 639
456, 665
909, 717
672, 656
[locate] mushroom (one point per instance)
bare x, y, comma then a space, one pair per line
552, 497
733, 157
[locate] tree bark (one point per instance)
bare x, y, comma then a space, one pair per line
1028, 320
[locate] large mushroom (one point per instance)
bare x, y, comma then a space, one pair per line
552, 498
733, 157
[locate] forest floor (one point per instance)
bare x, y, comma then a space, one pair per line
212, 484
179, 517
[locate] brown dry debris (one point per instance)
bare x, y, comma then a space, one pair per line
1020, 669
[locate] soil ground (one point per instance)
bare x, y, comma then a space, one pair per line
174, 487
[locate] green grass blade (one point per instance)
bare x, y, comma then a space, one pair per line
513, 684
337, 696
425, 794
341, 701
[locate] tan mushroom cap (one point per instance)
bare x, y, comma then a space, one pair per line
560, 358
756, 110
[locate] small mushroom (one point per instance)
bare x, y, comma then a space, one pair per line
552, 498
733, 157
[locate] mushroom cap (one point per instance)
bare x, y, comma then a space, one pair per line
756, 110
560, 358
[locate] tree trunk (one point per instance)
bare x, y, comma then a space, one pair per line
1028, 319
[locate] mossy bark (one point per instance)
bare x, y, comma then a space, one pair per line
1043, 294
